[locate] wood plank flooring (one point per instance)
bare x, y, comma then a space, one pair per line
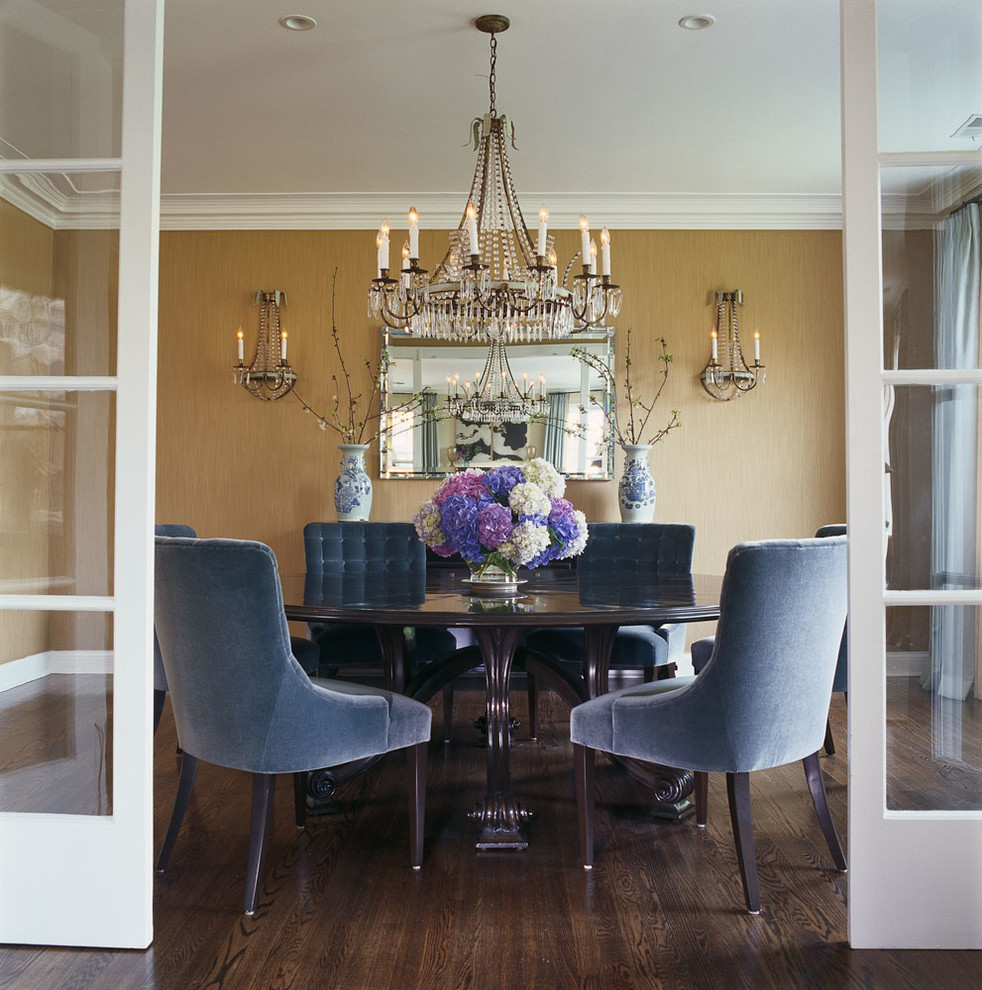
341, 909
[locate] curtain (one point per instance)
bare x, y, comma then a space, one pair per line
431, 443
555, 444
955, 465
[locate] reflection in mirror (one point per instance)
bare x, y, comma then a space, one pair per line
433, 444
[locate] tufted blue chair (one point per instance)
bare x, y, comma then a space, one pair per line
368, 548
665, 548
702, 650
241, 700
760, 701
304, 650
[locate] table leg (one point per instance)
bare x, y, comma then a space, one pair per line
670, 785
392, 642
500, 814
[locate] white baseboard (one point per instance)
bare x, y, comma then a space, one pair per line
912, 663
27, 669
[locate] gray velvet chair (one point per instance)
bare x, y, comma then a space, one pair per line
241, 700
760, 701
664, 548
702, 649
305, 650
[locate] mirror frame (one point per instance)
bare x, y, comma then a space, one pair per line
460, 445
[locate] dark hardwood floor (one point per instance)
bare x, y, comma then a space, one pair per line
340, 907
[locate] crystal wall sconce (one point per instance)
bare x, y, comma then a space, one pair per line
268, 376
727, 375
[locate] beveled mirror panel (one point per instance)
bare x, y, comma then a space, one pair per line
428, 442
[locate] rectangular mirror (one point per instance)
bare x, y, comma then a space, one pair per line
422, 440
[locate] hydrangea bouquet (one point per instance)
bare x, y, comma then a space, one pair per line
504, 518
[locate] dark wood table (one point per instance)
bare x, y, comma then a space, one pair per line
598, 600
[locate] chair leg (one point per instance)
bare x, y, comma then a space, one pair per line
702, 797
417, 801
532, 691
584, 760
262, 807
158, 707
300, 797
447, 711
813, 775
738, 792
829, 738
189, 767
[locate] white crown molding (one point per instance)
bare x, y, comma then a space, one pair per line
625, 211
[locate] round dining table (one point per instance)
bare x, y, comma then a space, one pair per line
599, 600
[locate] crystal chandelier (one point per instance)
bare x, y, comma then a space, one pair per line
727, 375
495, 397
491, 275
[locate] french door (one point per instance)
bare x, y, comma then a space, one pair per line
79, 195
914, 382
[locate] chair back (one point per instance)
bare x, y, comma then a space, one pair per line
159, 674
662, 547
240, 698
764, 693
363, 547
841, 680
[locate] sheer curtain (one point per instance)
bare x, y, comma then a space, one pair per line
555, 443
431, 443
955, 462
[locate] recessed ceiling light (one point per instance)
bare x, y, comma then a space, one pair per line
697, 22
297, 22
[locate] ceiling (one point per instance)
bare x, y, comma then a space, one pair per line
617, 109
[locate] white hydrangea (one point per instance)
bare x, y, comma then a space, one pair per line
526, 542
528, 499
540, 472
575, 547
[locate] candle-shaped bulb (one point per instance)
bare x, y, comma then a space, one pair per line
715, 345
593, 256
585, 238
382, 243
240, 341
605, 252
384, 227
757, 345
283, 346
553, 259
405, 266
540, 248
542, 386
413, 232
448, 385
471, 214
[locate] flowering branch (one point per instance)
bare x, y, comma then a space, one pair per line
639, 411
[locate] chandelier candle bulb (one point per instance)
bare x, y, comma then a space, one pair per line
475, 247
413, 232
605, 252
240, 335
542, 386
585, 238
405, 265
593, 256
382, 243
540, 248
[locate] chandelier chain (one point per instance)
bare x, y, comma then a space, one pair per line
494, 59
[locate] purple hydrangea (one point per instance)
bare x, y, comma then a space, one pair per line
500, 481
562, 520
470, 482
494, 525
458, 520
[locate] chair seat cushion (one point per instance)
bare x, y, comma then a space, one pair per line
409, 720
634, 646
594, 723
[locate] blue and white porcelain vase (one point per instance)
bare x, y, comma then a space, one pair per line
636, 489
353, 489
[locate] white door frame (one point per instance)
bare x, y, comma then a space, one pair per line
915, 878
88, 880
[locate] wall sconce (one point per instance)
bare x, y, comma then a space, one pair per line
268, 376
728, 375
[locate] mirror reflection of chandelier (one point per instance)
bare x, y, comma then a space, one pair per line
491, 273
495, 397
